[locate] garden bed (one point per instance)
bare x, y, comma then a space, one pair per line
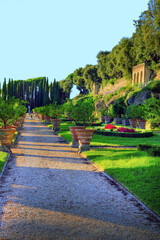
124, 134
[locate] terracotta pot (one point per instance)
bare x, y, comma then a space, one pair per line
84, 138
9, 127
75, 142
133, 123
41, 116
47, 119
17, 124
141, 123
6, 136
56, 124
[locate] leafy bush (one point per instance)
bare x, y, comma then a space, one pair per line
152, 110
118, 108
135, 112
80, 112
154, 86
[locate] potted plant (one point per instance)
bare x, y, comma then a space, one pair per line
81, 113
132, 113
152, 112
45, 113
55, 112
7, 113
117, 109
141, 122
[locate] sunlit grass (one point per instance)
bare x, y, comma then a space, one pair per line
135, 170
3, 158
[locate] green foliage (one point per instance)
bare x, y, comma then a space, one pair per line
4, 90
55, 111
66, 86
135, 112
152, 109
81, 112
10, 110
153, 86
117, 109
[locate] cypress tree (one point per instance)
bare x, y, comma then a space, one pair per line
11, 88
4, 90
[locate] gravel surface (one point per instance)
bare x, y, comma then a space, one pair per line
48, 191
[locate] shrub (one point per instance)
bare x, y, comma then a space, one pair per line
153, 151
143, 147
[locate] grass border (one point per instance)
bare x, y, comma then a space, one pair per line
123, 189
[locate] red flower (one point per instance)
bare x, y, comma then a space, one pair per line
109, 126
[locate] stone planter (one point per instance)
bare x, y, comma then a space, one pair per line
141, 123
56, 124
125, 122
47, 119
102, 119
84, 138
75, 142
7, 136
133, 123
117, 120
108, 119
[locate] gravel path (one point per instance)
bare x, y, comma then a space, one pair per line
48, 191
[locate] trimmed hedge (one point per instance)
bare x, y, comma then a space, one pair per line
121, 134
153, 151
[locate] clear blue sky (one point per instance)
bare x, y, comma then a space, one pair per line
53, 38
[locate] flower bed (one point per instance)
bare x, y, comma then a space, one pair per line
128, 130
109, 126
124, 134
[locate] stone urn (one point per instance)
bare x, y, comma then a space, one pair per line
6, 136
117, 121
56, 124
108, 119
133, 123
84, 138
75, 142
125, 122
141, 123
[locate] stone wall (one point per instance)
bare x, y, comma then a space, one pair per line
140, 74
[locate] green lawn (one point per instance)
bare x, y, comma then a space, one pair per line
3, 158
135, 170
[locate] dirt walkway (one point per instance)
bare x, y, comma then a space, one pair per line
49, 191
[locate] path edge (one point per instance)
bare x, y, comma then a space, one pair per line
148, 210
